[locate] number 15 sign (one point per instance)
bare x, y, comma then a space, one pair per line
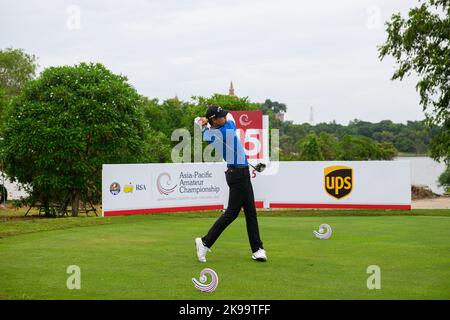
252, 129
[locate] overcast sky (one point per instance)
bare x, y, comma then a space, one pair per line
303, 53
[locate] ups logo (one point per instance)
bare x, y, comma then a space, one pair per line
338, 181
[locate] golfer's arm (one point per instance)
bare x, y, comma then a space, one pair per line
230, 121
207, 135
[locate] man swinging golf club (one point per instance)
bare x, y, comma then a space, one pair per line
218, 127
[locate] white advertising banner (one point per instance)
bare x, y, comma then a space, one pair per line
336, 184
140, 188
148, 188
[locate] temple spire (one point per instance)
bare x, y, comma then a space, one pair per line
231, 90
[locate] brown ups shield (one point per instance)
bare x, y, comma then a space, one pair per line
338, 181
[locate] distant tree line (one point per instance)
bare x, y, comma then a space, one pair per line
359, 140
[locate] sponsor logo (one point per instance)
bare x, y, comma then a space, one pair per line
338, 181
164, 185
243, 120
141, 187
114, 188
128, 188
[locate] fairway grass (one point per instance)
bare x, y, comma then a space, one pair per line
153, 257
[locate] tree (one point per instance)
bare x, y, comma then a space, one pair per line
386, 151
420, 44
384, 136
157, 147
161, 117
310, 149
363, 148
355, 148
64, 125
225, 101
273, 106
16, 68
329, 146
444, 179
3, 106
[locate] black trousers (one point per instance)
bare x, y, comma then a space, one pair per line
241, 195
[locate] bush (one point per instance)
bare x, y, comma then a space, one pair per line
444, 179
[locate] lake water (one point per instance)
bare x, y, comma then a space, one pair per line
425, 171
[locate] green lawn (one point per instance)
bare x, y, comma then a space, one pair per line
153, 257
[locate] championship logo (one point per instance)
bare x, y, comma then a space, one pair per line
202, 285
338, 181
163, 184
244, 120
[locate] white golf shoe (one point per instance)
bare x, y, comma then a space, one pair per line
260, 255
201, 250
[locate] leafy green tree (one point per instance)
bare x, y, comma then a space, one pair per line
420, 147
163, 117
440, 143
384, 136
225, 101
273, 106
272, 109
444, 179
287, 144
157, 147
64, 125
405, 143
386, 151
333, 128
329, 146
3, 106
420, 44
16, 68
355, 148
363, 148
310, 149
160, 116
291, 156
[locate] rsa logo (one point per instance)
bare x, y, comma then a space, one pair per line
338, 181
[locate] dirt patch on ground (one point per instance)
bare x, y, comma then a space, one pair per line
423, 198
432, 203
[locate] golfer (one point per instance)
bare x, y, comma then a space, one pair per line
218, 127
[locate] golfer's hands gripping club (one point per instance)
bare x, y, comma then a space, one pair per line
202, 121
